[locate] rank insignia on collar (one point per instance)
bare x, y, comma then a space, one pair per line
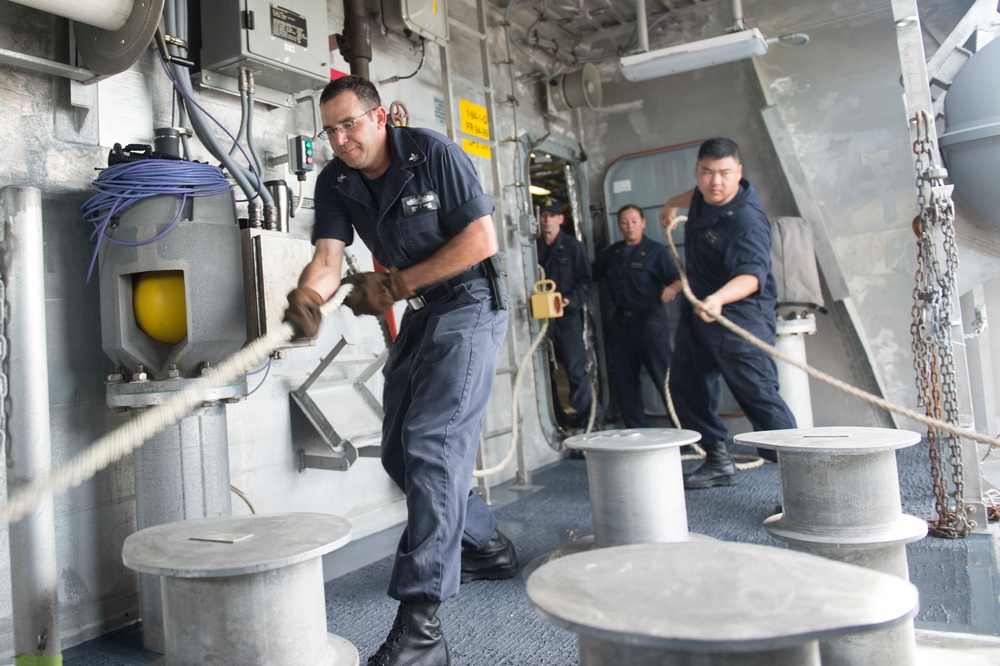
413, 157
341, 178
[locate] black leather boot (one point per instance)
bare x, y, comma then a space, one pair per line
494, 561
415, 638
717, 470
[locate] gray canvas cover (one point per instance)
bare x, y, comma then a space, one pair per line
793, 261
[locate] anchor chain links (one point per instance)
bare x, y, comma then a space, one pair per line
933, 359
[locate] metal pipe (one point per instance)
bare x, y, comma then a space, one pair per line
34, 575
106, 14
738, 15
641, 27
199, 122
793, 384
358, 36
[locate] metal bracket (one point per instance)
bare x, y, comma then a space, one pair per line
43, 66
319, 444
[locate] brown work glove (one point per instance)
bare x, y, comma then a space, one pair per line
303, 312
374, 293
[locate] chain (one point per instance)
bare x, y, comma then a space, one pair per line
933, 360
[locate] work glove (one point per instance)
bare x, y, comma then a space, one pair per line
303, 312
374, 293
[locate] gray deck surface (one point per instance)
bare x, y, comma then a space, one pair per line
492, 623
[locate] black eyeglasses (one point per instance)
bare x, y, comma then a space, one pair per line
344, 127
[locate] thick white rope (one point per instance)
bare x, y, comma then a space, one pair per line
515, 399
749, 461
125, 439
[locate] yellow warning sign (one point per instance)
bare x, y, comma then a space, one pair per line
476, 148
475, 119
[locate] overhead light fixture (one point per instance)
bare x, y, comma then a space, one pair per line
539, 191
694, 55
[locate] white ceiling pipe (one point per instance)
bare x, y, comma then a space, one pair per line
641, 26
105, 14
738, 15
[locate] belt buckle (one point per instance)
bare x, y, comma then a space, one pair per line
417, 302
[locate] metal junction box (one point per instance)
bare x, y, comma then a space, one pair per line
285, 43
427, 18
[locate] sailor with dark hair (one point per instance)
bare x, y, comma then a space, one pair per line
414, 198
727, 258
564, 260
641, 277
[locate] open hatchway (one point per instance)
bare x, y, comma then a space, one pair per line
555, 171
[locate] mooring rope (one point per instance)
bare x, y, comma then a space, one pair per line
742, 461
125, 439
515, 400
822, 376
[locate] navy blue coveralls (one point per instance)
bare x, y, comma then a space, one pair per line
721, 242
440, 369
636, 277
566, 263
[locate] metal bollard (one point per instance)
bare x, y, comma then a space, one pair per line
636, 484
712, 603
840, 500
244, 590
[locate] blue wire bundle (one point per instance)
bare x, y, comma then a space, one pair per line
123, 185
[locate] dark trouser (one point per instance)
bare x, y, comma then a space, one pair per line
566, 334
706, 353
438, 379
642, 340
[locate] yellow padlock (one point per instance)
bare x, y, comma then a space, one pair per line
546, 302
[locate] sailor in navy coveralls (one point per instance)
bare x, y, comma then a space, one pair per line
565, 262
414, 198
727, 258
641, 277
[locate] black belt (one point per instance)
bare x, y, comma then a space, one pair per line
442, 289
628, 314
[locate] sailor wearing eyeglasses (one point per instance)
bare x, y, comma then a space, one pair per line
414, 198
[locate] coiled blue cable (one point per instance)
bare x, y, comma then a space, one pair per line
123, 185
